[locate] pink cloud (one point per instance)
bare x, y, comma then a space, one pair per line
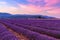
51, 2
54, 11
29, 8
33, 1
32, 9
7, 9
48, 2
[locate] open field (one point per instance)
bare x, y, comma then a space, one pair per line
30, 29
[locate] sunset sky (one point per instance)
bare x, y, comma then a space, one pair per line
32, 7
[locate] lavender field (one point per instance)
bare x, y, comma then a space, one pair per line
29, 29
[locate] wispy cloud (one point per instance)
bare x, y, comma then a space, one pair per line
2, 2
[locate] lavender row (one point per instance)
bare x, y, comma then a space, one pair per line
52, 33
5, 34
30, 34
43, 24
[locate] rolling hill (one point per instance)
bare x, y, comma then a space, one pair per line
8, 15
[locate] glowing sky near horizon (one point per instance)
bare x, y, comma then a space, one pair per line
32, 7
